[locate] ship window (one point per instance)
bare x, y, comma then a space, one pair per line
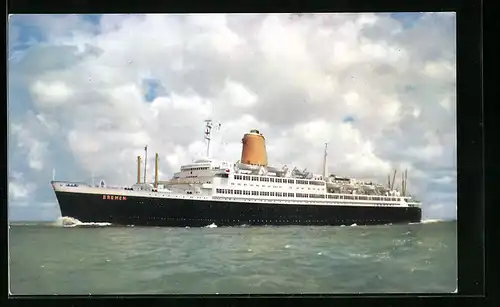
272, 193
262, 193
272, 179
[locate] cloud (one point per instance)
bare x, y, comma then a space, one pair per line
18, 188
86, 94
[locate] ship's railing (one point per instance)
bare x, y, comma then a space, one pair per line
283, 200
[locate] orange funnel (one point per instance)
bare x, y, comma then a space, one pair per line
254, 149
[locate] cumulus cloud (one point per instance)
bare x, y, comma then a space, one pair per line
380, 93
18, 188
51, 94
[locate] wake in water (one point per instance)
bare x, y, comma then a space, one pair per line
428, 221
69, 222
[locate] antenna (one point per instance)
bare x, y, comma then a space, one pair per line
145, 162
325, 172
53, 174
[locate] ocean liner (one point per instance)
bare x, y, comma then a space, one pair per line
248, 192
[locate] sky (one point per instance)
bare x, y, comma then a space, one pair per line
86, 93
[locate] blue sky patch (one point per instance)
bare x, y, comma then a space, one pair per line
407, 19
349, 119
152, 89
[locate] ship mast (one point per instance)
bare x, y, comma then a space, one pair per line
325, 172
208, 134
145, 161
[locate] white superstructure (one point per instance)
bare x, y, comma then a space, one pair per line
211, 179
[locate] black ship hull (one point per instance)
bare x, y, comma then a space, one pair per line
175, 212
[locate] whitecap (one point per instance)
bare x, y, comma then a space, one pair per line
287, 246
211, 226
432, 221
352, 225
359, 255
69, 222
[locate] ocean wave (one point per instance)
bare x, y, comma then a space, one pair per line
70, 222
211, 226
356, 255
429, 221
